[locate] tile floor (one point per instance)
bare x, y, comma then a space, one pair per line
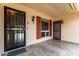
52, 48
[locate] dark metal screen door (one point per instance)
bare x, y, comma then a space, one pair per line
57, 30
14, 29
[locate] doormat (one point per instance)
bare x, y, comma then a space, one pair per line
16, 52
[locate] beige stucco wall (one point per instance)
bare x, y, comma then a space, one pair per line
1, 30
31, 32
70, 27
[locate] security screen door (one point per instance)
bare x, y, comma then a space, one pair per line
14, 29
57, 30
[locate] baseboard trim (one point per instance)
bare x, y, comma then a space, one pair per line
70, 42
38, 42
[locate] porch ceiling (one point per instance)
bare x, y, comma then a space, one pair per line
53, 9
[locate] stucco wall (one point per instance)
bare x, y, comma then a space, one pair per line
1, 30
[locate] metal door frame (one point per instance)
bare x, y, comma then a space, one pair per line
5, 7
60, 28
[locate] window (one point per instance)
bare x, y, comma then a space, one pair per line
44, 28
43, 34
44, 25
47, 33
